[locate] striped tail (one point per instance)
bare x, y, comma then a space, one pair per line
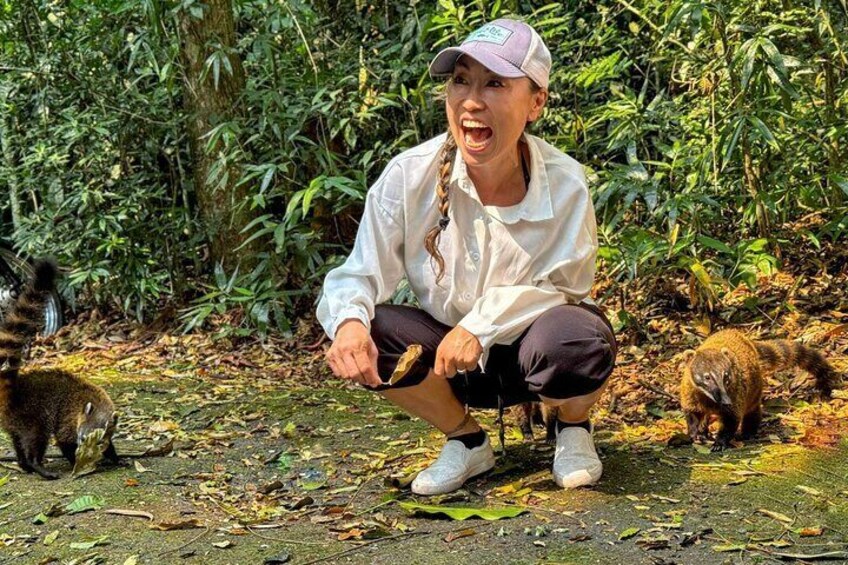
777, 354
25, 317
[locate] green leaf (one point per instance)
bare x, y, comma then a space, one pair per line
40, 519
102, 540
628, 533
729, 547
764, 131
463, 513
51, 537
84, 503
715, 244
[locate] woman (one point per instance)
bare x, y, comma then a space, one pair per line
495, 232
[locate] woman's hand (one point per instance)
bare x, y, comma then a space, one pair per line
353, 354
460, 350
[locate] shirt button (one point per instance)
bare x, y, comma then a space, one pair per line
475, 256
467, 296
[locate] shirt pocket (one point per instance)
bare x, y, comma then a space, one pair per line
510, 261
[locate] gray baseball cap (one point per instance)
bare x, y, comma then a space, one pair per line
508, 48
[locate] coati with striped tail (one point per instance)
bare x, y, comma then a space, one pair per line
725, 377
38, 404
527, 414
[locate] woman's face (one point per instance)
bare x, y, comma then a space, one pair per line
487, 113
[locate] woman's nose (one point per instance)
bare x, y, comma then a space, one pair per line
474, 99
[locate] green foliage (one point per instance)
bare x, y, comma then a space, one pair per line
702, 126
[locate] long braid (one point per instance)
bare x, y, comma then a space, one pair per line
431, 240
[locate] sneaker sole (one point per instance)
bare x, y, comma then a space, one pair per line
482, 468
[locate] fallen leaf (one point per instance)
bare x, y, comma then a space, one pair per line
131, 513
222, 544
628, 533
51, 537
170, 526
775, 515
102, 540
729, 547
811, 532
460, 534
89, 453
84, 503
354, 533
463, 513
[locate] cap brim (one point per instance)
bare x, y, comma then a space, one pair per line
445, 61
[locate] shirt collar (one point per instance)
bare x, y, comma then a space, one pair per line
534, 207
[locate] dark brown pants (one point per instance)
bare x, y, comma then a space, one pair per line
568, 351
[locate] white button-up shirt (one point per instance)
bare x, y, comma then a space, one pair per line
504, 265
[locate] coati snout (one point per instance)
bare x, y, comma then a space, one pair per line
712, 370
99, 418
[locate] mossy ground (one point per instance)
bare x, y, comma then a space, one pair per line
241, 422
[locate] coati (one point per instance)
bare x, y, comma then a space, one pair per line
725, 377
529, 413
38, 404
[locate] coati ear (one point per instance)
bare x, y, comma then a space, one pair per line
88, 408
726, 352
688, 354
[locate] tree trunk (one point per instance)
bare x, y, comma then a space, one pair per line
11, 175
223, 206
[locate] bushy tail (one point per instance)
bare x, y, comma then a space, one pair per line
25, 317
777, 354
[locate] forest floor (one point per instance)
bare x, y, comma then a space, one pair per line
265, 458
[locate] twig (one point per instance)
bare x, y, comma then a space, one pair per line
655, 389
188, 543
366, 544
355, 494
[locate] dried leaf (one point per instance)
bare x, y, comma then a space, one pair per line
353, 533
130, 513
89, 453
406, 362
460, 534
811, 532
775, 515
222, 544
51, 537
183, 525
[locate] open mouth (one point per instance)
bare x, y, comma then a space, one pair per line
476, 135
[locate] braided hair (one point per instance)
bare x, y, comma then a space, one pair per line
431, 240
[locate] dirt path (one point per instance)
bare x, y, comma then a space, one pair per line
284, 462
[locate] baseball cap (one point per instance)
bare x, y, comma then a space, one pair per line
508, 48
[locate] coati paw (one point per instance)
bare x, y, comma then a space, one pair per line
48, 475
719, 446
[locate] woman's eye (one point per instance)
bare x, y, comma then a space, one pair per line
495, 83
458, 80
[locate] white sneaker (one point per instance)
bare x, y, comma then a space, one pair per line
576, 462
455, 465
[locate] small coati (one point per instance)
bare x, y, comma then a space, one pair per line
529, 413
725, 377
38, 404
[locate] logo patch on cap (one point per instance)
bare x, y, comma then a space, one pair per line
490, 33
